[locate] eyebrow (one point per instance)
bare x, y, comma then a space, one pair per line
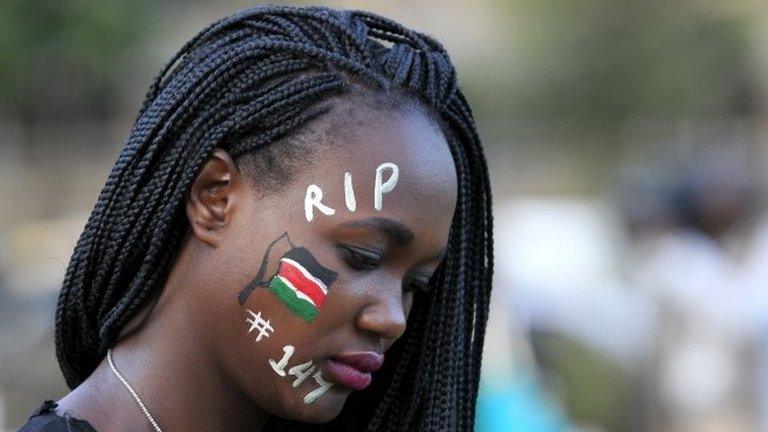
393, 229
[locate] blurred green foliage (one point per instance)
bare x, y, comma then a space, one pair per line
596, 63
590, 63
51, 48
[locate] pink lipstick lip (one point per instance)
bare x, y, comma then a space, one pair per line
354, 370
366, 362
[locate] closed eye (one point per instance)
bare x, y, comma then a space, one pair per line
417, 282
359, 259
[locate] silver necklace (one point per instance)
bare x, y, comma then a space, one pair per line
133, 393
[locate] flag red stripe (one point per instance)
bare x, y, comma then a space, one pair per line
301, 283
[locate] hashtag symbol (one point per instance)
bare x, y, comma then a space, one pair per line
258, 323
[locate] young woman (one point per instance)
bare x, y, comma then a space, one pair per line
296, 236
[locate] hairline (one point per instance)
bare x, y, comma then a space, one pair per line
318, 135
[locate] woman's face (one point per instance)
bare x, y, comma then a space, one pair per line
302, 295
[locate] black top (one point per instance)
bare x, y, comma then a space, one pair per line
45, 419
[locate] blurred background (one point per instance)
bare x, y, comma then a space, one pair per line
627, 141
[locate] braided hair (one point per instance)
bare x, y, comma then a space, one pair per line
262, 74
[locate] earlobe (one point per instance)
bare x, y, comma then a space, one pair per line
210, 200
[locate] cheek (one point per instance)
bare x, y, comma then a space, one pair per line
276, 352
279, 351
279, 358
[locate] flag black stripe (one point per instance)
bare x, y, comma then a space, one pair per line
302, 256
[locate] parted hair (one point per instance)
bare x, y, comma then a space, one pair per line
243, 84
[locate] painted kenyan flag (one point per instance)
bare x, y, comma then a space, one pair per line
302, 283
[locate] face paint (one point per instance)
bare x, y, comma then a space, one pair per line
314, 394
279, 367
258, 323
302, 283
301, 372
314, 196
284, 242
313, 199
381, 188
349, 193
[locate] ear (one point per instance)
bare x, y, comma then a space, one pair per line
211, 199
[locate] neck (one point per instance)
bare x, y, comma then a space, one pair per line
179, 382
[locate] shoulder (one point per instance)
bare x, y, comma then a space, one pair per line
45, 419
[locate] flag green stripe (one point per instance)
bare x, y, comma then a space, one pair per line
306, 310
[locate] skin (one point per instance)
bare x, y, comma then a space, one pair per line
189, 355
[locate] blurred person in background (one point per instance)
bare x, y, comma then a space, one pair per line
698, 259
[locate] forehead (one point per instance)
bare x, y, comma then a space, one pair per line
364, 139
407, 138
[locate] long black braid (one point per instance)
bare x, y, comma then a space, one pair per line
263, 74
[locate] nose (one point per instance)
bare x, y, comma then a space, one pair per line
384, 315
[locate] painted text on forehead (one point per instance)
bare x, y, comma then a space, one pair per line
394, 165
313, 199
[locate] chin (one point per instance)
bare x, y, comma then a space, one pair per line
320, 411
318, 416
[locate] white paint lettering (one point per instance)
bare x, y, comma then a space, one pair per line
301, 372
313, 199
382, 187
316, 393
349, 193
258, 323
279, 367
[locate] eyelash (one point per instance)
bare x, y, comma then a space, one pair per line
360, 259
413, 284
